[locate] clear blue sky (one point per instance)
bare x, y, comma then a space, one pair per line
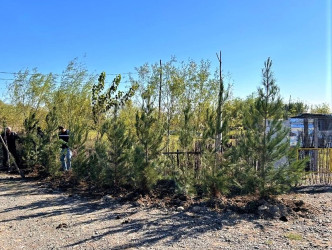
117, 36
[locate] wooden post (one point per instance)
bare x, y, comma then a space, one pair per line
306, 133
306, 141
315, 144
177, 158
218, 139
197, 158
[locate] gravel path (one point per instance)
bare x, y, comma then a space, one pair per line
34, 217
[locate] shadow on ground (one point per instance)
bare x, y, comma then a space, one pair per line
313, 189
170, 226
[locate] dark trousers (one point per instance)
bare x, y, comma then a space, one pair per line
5, 159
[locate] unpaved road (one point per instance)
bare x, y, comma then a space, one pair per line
34, 217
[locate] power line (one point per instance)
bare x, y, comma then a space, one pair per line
55, 81
31, 74
108, 82
5, 79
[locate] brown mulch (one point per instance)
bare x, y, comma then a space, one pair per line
165, 196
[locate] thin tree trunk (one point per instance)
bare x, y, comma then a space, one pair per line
160, 81
219, 111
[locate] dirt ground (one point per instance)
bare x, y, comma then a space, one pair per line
35, 216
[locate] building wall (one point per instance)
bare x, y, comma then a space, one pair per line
319, 127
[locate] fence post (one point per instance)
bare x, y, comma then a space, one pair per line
177, 158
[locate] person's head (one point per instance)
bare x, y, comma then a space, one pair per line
61, 128
8, 129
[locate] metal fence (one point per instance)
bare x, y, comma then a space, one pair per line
319, 166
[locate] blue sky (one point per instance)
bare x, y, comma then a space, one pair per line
117, 36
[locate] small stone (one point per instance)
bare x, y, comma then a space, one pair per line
196, 209
180, 209
262, 207
107, 199
62, 225
283, 218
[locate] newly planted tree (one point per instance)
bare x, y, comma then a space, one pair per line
150, 133
111, 156
263, 148
216, 173
31, 142
186, 171
49, 147
118, 171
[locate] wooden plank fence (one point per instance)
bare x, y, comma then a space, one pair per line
319, 167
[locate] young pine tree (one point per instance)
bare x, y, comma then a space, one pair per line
186, 171
118, 171
78, 136
150, 137
31, 142
216, 172
263, 148
110, 158
50, 145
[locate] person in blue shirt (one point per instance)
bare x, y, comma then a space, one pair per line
66, 153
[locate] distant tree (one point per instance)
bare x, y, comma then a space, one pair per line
320, 109
30, 92
235, 110
295, 108
181, 82
72, 97
8, 115
107, 103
